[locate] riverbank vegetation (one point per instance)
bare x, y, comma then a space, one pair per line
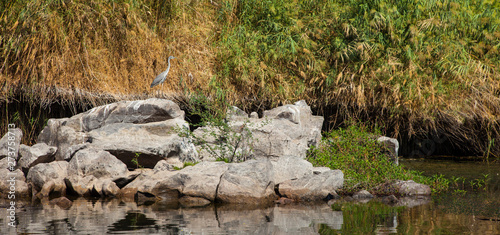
416, 68
364, 161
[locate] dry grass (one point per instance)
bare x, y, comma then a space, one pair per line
95, 48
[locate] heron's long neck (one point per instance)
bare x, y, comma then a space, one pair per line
168, 67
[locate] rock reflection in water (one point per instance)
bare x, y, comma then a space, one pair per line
407, 216
115, 216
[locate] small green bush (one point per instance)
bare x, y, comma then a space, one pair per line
357, 153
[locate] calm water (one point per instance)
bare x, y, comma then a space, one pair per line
447, 214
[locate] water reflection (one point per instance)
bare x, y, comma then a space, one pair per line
118, 217
471, 213
413, 216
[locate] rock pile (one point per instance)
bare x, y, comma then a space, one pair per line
132, 149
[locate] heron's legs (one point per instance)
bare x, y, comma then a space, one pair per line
162, 90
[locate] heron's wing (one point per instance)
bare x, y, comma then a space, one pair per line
159, 79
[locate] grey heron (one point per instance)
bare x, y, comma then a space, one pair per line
161, 78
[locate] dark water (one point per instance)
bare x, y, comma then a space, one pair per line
453, 213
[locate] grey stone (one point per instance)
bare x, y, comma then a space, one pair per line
69, 152
200, 180
290, 167
63, 133
313, 187
109, 188
411, 188
82, 186
249, 182
6, 164
11, 139
13, 183
254, 115
286, 130
93, 171
36, 154
126, 128
44, 173
188, 201
392, 146
163, 166
98, 163
363, 194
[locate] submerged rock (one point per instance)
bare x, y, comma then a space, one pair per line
411, 188
188, 201
362, 195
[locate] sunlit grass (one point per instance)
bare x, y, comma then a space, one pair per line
425, 65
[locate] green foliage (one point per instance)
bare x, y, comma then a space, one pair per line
135, 160
412, 58
357, 153
186, 164
276, 48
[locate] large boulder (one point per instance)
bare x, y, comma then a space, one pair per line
31, 156
282, 131
249, 182
144, 130
98, 163
92, 170
313, 187
200, 180
290, 167
291, 131
49, 177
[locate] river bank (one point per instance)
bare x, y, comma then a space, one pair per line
145, 149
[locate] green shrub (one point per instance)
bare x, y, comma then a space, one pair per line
357, 153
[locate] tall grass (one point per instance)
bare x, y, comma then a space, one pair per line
426, 66
420, 61
113, 47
